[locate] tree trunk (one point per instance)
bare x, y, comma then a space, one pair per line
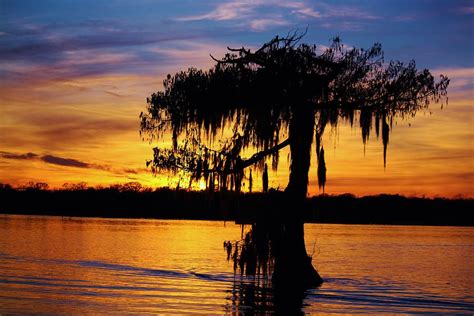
301, 132
292, 264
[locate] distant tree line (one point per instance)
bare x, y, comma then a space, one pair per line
132, 200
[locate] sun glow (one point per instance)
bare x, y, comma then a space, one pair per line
202, 185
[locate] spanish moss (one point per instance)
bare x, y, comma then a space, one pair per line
257, 93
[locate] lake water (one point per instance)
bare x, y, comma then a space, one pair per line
85, 265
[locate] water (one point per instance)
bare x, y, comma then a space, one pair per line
74, 265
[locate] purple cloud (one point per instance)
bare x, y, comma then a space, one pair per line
26, 156
261, 15
68, 162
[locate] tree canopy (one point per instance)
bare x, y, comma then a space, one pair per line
258, 94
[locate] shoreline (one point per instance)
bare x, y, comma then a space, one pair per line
241, 208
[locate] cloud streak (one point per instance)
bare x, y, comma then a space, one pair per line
36, 53
68, 162
8, 155
260, 15
55, 160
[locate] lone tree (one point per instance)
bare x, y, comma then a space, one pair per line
282, 94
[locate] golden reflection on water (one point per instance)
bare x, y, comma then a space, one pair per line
422, 262
73, 265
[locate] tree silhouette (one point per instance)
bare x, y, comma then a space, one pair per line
283, 94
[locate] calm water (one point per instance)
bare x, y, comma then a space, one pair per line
72, 265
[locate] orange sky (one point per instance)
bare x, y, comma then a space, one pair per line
94, 121
72, 87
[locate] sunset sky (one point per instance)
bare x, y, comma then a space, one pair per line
75, 75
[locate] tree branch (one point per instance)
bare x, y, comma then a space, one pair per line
262, 154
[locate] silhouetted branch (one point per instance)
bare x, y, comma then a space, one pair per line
262, 154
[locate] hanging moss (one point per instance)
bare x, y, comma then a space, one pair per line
321, 170
385, 136
255, 93
253, 255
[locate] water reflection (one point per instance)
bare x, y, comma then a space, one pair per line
54, 265
253, 259
262, 298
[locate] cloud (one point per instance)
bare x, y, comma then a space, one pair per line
55, 160
56, 130
461, 82
131, 171
68, 162
114, 94
57, 43
309, 12
226, 11
8, 155
467, 10
186, 53
260, 15
67, 51
38, 53
345, 11
467, 72
263, 24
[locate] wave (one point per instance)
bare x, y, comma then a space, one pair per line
119, 268
187, 286
384, 297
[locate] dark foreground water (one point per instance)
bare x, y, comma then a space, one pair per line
75, 265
